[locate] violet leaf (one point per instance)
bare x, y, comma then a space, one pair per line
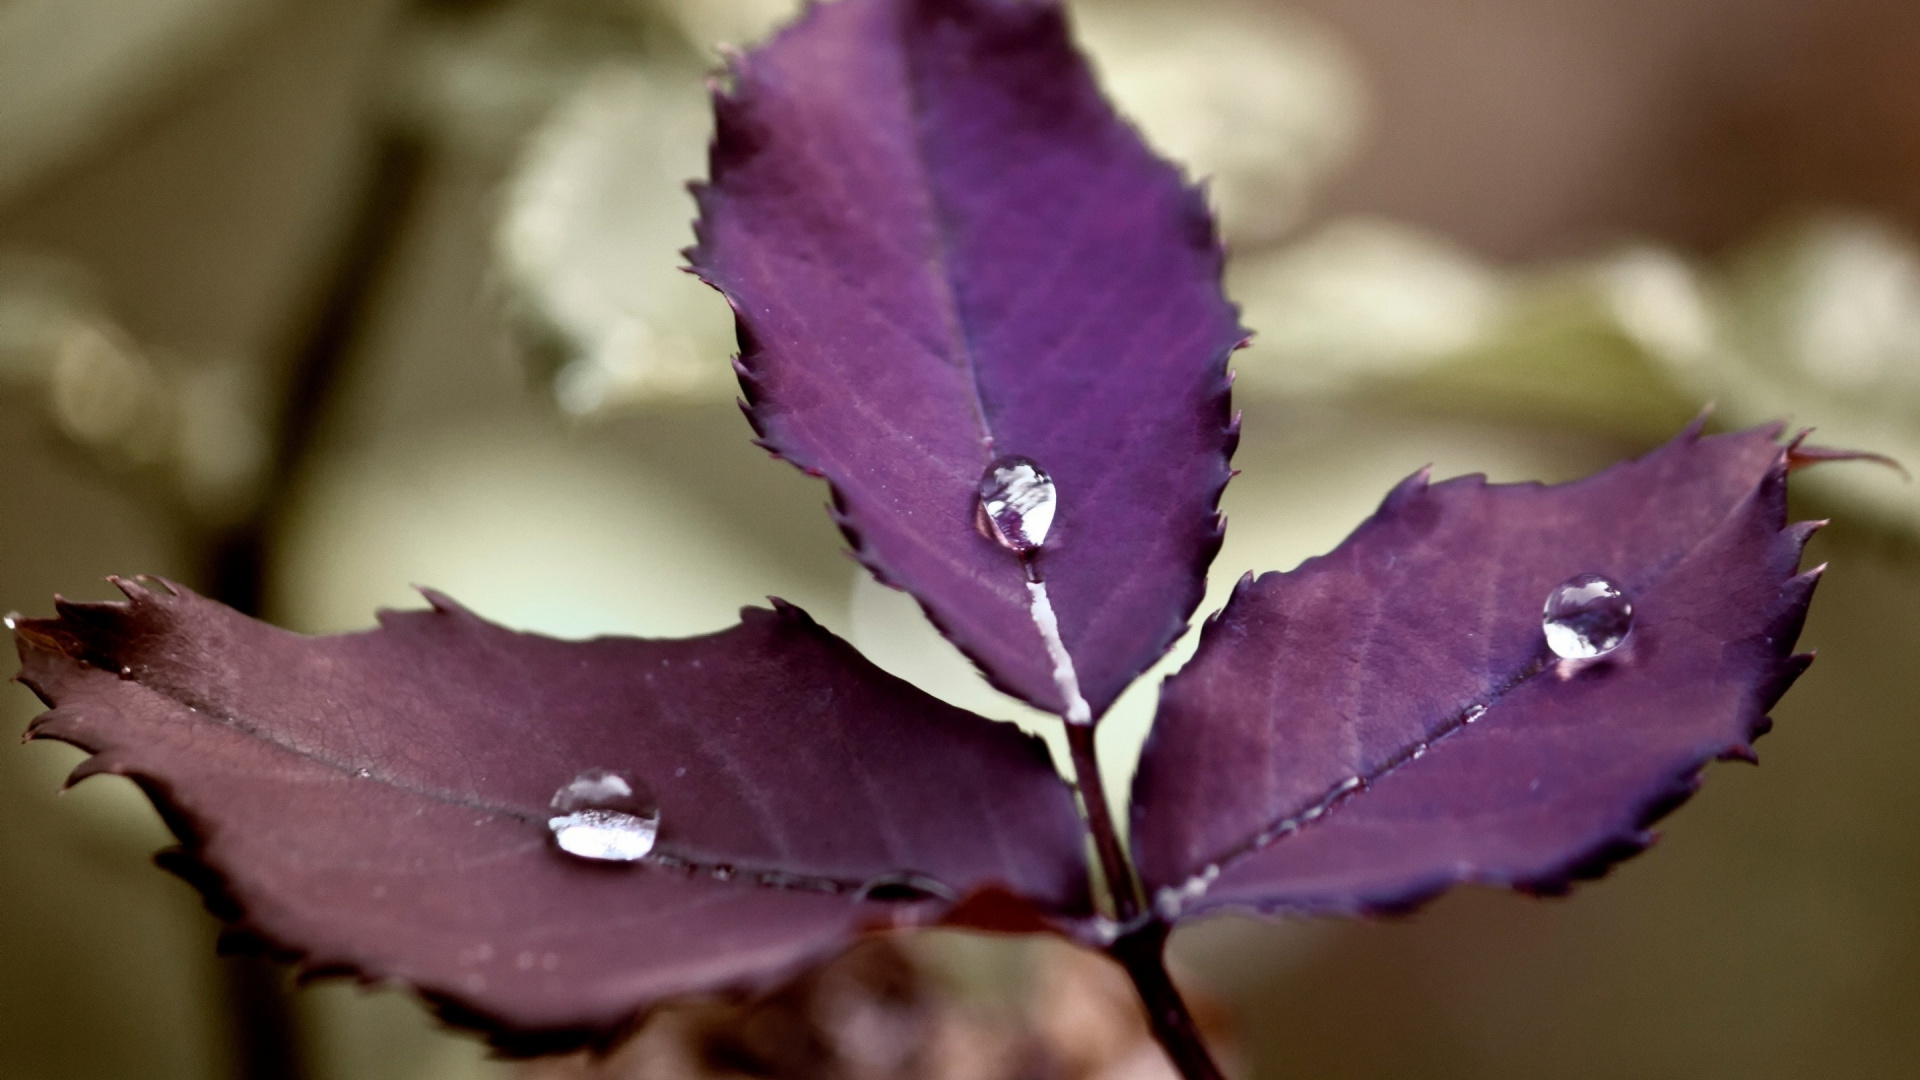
1388, 720
942, 248
379, 802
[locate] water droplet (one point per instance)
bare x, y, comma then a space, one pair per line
604, 816
1017, 499
1586, 615
904, 889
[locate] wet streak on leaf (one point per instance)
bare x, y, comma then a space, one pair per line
943, 247
377, 802
1387, 720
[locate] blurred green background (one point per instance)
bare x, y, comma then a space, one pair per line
302, 303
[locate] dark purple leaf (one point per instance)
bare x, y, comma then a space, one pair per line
1325, 750
378, 802
943, 247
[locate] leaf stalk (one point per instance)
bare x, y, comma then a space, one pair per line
1114, 865
1143, 954
1142, 949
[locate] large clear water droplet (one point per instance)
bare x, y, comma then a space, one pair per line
1587, 615
1017, 499
604, 816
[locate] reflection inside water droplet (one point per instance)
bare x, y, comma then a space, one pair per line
1587, 615
604, 816
904, 889
1017, 499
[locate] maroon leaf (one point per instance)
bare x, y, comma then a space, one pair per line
1388, 720
379, 802
942, 248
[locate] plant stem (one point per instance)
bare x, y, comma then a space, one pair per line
1141, 950
1106, 839
1142, 953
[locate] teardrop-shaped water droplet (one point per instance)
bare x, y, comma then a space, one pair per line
904, 889
1587, 615
605, 816
1017, 498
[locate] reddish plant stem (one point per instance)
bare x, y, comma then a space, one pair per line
1106, 839
1141, 950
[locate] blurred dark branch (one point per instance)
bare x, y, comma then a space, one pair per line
236, 571
266, 1036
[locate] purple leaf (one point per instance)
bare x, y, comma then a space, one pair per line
943, 248
379, 802
1388, 719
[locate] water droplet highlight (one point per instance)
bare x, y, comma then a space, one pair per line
904, 889
1587, 615
604, 816
1017, 500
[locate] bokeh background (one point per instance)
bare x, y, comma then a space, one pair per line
305, 301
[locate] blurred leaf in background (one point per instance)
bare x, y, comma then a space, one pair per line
1258, 101
1817, 320
589, 244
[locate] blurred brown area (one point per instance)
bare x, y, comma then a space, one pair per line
1773, 933
887, 1010
1531, 128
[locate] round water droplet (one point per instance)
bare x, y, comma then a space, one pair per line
1587, 615
604, 816
904, 889
1017, 500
